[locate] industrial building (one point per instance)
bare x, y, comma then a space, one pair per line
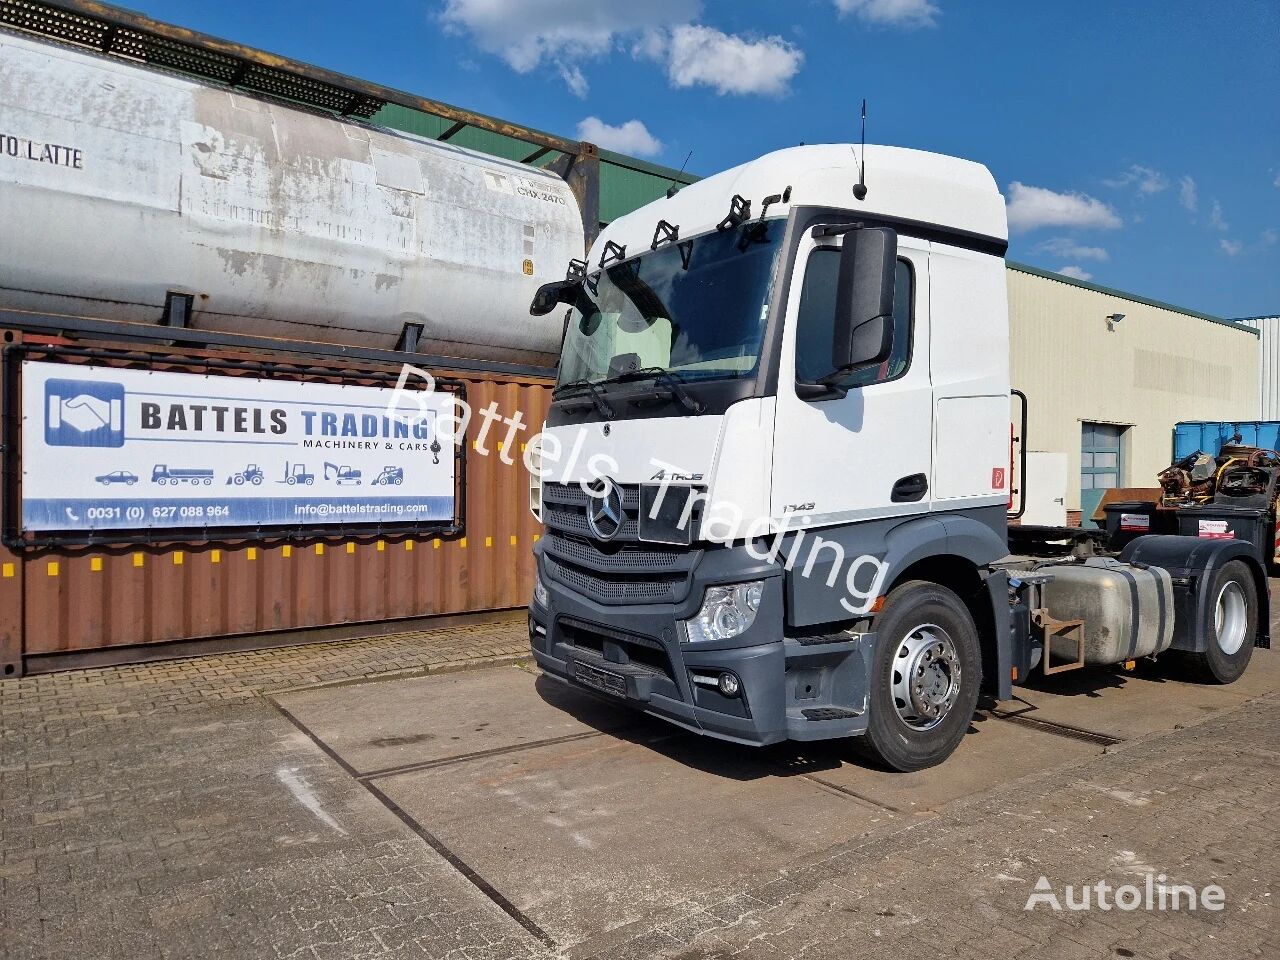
1107, 375
1268, 365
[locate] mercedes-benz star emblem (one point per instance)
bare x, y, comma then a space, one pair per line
604, 510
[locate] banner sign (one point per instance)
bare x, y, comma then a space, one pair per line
108, 448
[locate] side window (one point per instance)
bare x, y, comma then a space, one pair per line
815, 323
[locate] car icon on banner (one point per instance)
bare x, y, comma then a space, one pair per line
117, 476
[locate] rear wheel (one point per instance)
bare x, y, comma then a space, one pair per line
925, 677
1232, 626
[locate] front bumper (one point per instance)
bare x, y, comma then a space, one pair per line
634, 654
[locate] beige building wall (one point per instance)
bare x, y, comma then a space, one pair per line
1157, 366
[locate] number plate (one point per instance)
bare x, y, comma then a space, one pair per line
612, 683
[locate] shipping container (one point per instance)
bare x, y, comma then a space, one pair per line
71, 605
1211, 436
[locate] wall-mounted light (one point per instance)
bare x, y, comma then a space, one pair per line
1113, 319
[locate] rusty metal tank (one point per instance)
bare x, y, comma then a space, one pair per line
120, 184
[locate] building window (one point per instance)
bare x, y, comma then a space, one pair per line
1101, 463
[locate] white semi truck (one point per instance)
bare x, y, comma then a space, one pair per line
776, 475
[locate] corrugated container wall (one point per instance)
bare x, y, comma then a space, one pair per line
1156, 367
79, 599
1268, 366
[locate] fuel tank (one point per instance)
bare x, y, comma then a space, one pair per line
1127, 610
120, 183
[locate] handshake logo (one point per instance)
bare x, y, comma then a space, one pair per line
83, 413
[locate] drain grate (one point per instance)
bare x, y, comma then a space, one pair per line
1058, 729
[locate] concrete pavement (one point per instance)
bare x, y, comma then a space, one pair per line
361, 800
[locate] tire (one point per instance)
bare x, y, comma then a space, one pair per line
921, 618
1232, 620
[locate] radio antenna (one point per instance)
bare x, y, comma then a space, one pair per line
672, 189
860, 188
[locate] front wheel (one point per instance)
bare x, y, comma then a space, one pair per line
926, 672
1233, 625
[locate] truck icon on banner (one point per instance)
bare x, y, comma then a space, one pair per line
162, 474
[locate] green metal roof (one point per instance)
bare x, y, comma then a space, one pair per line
626, 183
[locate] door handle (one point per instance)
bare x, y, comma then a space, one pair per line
910, 489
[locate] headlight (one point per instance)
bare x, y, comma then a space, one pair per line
726, 611
540, 591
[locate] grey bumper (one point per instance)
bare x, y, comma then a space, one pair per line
634, 654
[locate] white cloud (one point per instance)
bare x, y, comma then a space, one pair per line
529, 33
703, 56
1076, 273
1145, 179
1230, 247
1069, 249
894, 13
1271, 236
1216, 220
1033, 207
1188, 196
632, 137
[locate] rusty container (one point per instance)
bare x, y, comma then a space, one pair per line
81, 605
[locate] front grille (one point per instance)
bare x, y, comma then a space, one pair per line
648, 589
574, 520
622, 570
587, 553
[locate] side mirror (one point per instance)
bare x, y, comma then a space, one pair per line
551, 295
864, 301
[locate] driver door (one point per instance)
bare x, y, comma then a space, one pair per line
869, 454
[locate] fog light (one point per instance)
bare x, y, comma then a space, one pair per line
730, 685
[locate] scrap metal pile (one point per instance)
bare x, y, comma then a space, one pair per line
1245, 476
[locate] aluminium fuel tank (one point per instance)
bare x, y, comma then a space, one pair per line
1127, 609
120, 183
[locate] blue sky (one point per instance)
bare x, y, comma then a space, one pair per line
1138, 142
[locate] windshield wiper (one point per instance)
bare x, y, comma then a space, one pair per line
592, 389
671, 380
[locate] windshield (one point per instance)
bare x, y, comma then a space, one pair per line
697, 308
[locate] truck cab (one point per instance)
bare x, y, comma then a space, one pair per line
776, 472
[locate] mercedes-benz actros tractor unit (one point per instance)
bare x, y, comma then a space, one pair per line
776, 475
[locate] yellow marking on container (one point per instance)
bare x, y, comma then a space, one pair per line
436, 543
215, 556
351, 548
253, 553
319, 549
488, 541
537, 537
287, 551
53, 568
139, 559
381, 546
95, 564
475, 444
408, 544
514, 540
523, 446
499, 444
463, 543
177, 558
9, 571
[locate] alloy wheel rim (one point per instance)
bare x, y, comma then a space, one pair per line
924, 677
